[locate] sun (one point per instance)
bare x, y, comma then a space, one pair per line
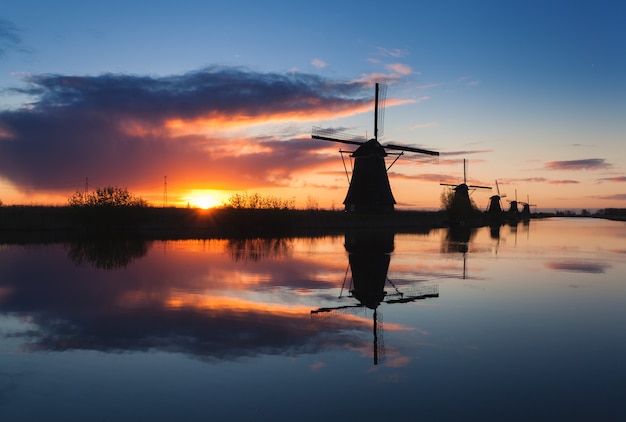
204, 199
204, 202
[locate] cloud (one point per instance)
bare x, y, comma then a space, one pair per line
464, 152
618, 196
320, 64
613, 179
393, 52
585, 164
539, 180
10, 39
400, 68
468, 80
563, 182
425, 125
130, 130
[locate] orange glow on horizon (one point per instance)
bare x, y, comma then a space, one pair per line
204, 198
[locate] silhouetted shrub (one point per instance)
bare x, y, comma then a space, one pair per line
256, 201
110, 196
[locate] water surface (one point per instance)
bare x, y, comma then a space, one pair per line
521, 323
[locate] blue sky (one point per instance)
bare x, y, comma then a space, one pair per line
530, 93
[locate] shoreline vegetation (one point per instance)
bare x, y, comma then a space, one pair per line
61, 223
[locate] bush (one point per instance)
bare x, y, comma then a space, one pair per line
110, 196
256, 201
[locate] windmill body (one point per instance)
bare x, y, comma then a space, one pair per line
525, 213
461, 208
495, 212
369, 190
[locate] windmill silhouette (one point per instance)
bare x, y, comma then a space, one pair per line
495, 212
525, 213
369, 190
513, 213
461, 207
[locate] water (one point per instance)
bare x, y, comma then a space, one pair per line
524, 324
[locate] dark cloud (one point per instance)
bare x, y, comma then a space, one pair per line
131, 130
586, 164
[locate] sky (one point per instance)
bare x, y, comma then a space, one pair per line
189, 103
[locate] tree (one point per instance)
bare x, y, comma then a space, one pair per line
256, 201
110, 196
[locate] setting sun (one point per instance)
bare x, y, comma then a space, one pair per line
204, 199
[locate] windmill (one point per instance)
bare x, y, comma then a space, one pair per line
461, 207
513, 212
369, 254
495, 212
369, 190
525, 214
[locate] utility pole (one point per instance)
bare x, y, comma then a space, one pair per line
164, 191
86, 190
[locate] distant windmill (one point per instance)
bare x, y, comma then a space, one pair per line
525, 214
369, 190
513, 212
461, 207
495, 212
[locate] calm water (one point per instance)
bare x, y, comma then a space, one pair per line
524, 324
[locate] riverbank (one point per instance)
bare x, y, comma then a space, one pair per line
65, 223
42, 224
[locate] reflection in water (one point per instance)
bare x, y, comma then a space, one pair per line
176, 300
259, 248
107, 254
578, 266
188, 333
457, 240
369, 254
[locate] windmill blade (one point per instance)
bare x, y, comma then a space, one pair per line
478, 187
335, 308
343, 141
380, 112
410, 149
336, 136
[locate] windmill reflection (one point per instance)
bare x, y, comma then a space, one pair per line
457, 240
369, 255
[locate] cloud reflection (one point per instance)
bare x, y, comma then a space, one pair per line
578, 266
188, 303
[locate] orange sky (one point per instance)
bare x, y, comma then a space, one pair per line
198, 153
